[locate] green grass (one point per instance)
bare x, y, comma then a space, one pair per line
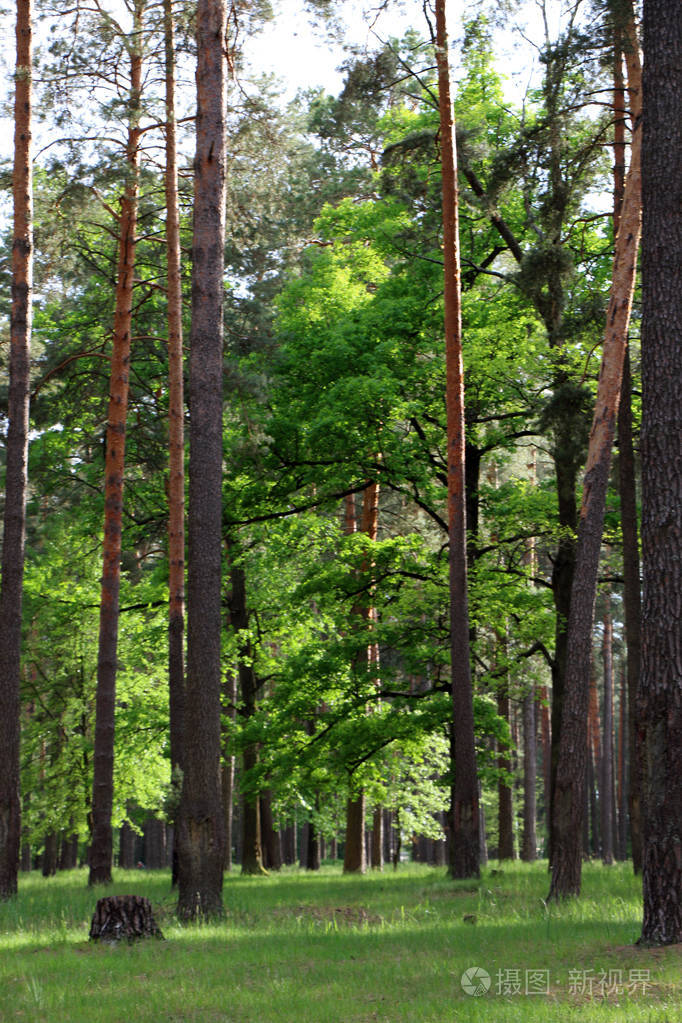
324, 948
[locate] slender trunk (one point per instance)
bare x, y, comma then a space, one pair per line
607, 754
633, 607
529, 848
228, 769
377, 857
101, 845
126, 854
569, 791
176, 441
11, 585
660, 708
505, 814
464, 844
621, 792
200, 832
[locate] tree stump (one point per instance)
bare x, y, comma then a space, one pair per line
123, 916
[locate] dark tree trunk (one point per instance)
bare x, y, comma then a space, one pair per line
176, 427
126, 848
272, 848
606, 786
569, 787
377, 858
661, 683
354, 860
200, 832
101, 843
622, 787
49, 864
155, 846
310, 847
252, 850
11, 584
464, 837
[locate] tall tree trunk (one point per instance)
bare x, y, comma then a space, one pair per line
11, 582
569, 790
661, 683
628, 491
101, 844
464, 837
200, 827
621, 789
176, 429
633, 607
606, 785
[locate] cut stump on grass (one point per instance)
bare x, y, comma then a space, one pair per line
123, 916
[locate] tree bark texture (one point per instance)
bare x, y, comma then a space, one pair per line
529, 847
101, 844
464, 837
200, 826
11, 584
176, 425
123, 916
569, 788
661, 682
377, 857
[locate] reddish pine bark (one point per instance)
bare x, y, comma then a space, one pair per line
200, 830
101, 846
464, 836
660, 709
11, 586
176, 431
569, 798
606, 785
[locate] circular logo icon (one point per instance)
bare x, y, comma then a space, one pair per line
476, 981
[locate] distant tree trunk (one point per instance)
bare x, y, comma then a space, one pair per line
661, 682
569, 790
126, 853
11, 580
101, 844
529, 849
176, 429
154, 843
606, 785
354, 860
310, 847
272, 849
595, 758
464, 838
49, 864
68, 850
228, 769
200, 831
505, 811
377, 858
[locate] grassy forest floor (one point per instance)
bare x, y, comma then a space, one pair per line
324, 948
